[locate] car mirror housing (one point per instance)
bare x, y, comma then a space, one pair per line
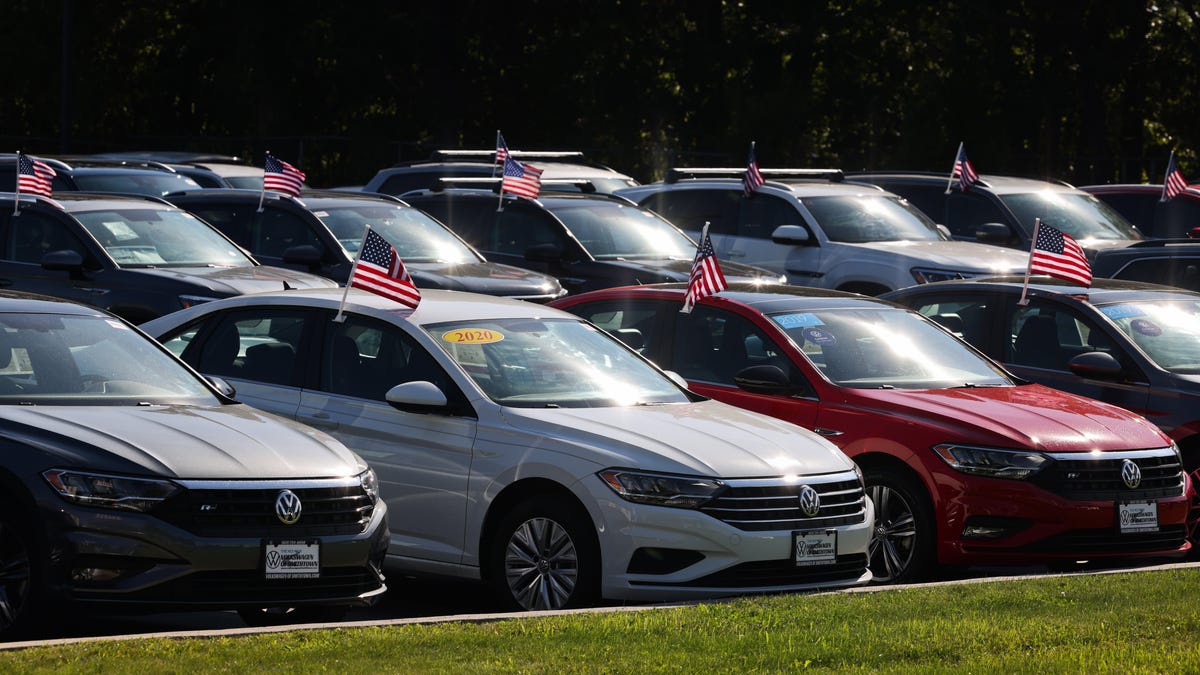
544, 253
65, 259
998, 232
305, 254
223, 388
790, 235
765, 379
419, 396
1096, 365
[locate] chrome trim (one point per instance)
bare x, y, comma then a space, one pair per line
279, 483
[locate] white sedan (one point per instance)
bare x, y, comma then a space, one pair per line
521, 445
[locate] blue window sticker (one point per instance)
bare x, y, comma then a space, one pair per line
819, 336
798, 320
1146, 327
1115, 312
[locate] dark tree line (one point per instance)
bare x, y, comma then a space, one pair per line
1074, 90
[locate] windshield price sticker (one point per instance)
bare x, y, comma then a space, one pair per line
798, 320
472, 336
814, 547
292, 559
1137, 517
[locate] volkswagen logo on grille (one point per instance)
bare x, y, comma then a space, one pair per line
287, 507
810, 501
1131, 474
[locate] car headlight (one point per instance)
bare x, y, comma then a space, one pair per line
370, 484
992, 462
108, 491
681, 492
926, 275
193, 300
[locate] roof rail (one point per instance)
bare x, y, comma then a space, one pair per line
522, 154
677, 174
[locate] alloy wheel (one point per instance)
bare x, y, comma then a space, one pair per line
14, 576
541, 565
894, 541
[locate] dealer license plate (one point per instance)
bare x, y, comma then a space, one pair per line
1137, 517
292, 559
814, 547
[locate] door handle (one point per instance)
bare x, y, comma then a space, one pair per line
827, 432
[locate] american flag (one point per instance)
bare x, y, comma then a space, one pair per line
280, 176
501, 149
963, 172
34, 176
752, 179
380, 271
1174, 183
1058, 255
706, 278
521, 179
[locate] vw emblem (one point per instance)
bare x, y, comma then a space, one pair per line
1131, 474
287, 507
810, 501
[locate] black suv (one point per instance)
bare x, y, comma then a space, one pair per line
560, 169
1001, 209
587, 241
1143, 205
136, 257
1171, 262
321, 232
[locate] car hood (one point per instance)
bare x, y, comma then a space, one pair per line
187, 442
241, 280
486, 277
964, 256
668, 270
706, 438
1029, 416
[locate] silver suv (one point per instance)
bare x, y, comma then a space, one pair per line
818, 230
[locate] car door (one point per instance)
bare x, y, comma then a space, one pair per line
761, 213
422, 459
28, 237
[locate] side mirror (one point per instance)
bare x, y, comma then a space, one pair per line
64, 260
418, 397
544, 253
304, 254
677, 378
945, 231
765, 379
790, 235
1096, 365
993, 232
224, 388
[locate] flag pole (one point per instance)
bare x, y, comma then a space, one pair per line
1167, 177
500, 204
353, 268
494, 162
17, 192
1037, 224
262, 195
699, 245
950, 182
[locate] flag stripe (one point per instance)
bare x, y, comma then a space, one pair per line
706, 277
1058, 255
753, 178
34, 176
279, 176
381, 271
521, 179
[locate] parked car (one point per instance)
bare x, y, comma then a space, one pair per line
132, 483
586, 241
539, 453
818, 230
1001, 210
230, 170
1143, 205
321, 232
1170, 262
138, 258
965, 464
1131, 344
81, 175
558, 169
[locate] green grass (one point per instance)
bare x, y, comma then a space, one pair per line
1137, 622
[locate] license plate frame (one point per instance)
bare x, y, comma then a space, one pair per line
291, 559
814, 547
1134, 517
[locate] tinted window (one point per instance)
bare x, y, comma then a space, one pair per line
714, 346
966, 212
233, 220
416, 236
609, 230
1176, 218
1136, 208
32, 235
762, 213
155, 237
856, 219
1174, 271
1080, 215
254, 345
280, 230
690, 209
365, 358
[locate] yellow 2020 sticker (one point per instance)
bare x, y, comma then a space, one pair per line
472, 336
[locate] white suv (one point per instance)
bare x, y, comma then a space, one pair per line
820, 231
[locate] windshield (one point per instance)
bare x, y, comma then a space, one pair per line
52, 359
559, 363
863, 218
153, 183
1080, 215
416, 236
886, 348
612, 231
160, 238
1168, 332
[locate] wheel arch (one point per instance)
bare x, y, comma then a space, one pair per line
516, 493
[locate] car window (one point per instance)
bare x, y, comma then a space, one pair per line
967, 318
32, 235
1176, 218
365, 358
1049, 337
1138, 208
762, 213
866, 218
966, 212
690, 209
713, 345
1080, 215
155, 184
258, 345
233, 220
613, 231
156, 237
635, 323
515, 230
1168, 332
278, 230
1178, 271
416, 236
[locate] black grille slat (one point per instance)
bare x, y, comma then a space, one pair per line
1109, 540
249, 587
250, 512
1098, 477
777, 507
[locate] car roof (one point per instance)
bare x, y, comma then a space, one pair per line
764, 299
547, 200
799, 187
1138, 188
998, 184
17, 302
72, 202
1102, 291
309, 199
554, 163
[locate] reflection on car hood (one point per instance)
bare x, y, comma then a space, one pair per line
1030, 416
241, 280
488, 278
665, 270
963, 256
226, 442
707, 438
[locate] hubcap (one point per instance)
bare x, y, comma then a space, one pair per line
541, 565
894, 541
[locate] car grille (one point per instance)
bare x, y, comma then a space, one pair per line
249, 588
1097, 476
765, 505
234, 509
1109, 541
768, 573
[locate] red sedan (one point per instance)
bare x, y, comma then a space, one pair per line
966, 464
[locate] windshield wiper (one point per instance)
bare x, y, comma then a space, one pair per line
976, 385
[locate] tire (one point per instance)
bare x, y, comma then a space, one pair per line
902, 547
281, 616
545, 556
21, 589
